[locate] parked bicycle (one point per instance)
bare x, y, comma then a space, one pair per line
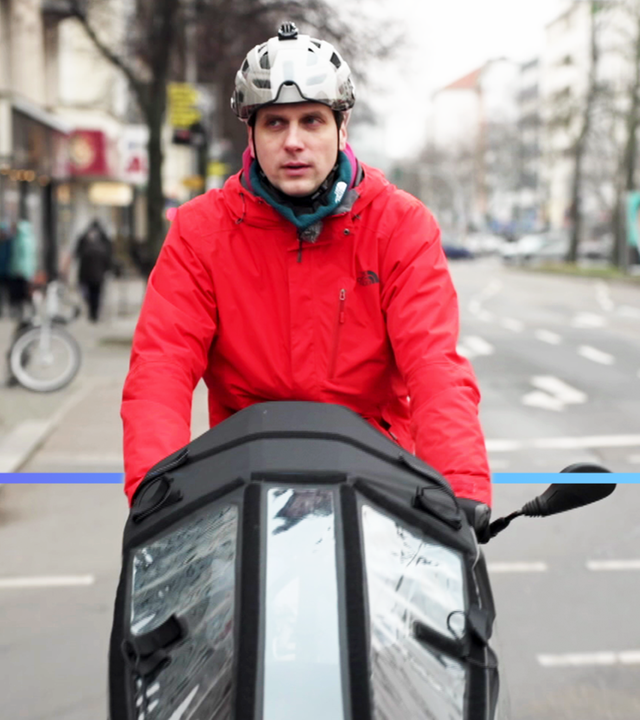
43, 356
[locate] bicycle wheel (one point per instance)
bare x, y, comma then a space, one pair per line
44, 361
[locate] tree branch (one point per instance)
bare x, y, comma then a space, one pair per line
137, 85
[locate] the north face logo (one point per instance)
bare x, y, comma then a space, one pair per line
368, 278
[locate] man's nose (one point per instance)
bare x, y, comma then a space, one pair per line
293, 139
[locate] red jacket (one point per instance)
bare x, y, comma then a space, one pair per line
364, 317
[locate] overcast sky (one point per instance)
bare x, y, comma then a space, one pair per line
447, 39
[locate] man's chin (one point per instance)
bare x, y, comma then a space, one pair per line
297, 188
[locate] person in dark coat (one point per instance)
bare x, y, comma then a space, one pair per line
95, 255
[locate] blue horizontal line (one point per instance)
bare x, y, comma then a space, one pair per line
498, 478
547, 478
61, 478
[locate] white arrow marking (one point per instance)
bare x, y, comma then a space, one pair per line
472, 346
628, 657
556, 387
603, 297
588, 320
540, 399
552, 394
548, 337
596, 355
511, 324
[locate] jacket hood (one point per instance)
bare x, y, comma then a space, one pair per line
246, 207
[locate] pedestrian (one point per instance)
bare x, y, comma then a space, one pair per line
308, 276
22, 268
7, 232
95, 255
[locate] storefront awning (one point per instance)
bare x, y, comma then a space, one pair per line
42, 116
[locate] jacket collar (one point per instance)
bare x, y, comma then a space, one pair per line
245, 207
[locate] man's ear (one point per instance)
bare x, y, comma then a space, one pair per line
342, 136
250, 141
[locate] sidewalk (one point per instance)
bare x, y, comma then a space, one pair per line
27, 419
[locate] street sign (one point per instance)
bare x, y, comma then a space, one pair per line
215, 168
193, 182
183, 105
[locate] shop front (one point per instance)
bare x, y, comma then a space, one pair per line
30, 174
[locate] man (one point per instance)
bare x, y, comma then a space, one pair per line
94, 253
307, 277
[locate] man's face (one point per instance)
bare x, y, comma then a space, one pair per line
297, 145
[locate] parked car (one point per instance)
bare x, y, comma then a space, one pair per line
454, 249
544, 247
484, 243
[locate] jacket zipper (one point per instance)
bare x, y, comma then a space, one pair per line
336, 337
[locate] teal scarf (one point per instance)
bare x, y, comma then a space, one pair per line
330, 202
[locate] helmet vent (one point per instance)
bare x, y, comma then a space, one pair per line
262, 84
336, 60
245, 66
264, 61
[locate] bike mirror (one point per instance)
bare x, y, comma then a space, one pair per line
560, 497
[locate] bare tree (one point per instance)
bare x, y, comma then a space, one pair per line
153, 53
579, 148
627, 171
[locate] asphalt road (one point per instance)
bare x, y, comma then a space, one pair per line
558, 361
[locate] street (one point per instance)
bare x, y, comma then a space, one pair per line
558, 363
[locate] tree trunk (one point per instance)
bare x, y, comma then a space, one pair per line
628, 165
581, 144
155, 194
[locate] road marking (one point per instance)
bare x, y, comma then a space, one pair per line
46, 581
596, 355
556, 387
565, 443
548, 337
475, 304
552, 394
512, 324
611, 565
603, 297
627, 657
517, 567
474, 346
588, 320
539, 399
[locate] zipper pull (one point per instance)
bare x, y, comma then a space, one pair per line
343, 300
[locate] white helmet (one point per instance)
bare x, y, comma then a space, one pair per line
292, 68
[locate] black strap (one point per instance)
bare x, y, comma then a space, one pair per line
146, 653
